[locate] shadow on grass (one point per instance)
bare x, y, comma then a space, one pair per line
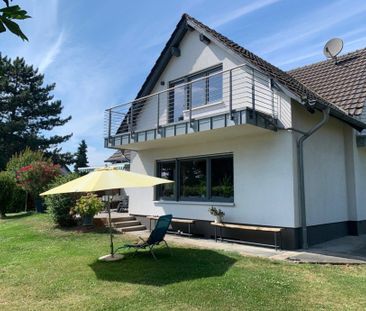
186, 264
18, 215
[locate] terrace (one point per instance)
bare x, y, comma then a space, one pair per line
205, 101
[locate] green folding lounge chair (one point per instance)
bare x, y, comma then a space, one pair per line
155, 238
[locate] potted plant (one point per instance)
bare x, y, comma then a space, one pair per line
87, 206
218, 213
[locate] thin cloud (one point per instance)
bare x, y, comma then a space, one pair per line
315, 51
242, 11
52, 53
309, 26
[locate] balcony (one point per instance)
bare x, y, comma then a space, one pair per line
237, 96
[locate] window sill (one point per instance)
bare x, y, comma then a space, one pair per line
224, 204
218, 103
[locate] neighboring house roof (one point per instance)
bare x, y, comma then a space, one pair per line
119, 157
292, 84
342, 83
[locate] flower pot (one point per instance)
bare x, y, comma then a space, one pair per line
88, 220
218, 219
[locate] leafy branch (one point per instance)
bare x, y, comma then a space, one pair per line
10, 13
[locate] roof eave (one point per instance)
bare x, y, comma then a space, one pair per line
356, 124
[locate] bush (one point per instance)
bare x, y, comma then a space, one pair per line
34, 178
59, 205
18, 202
7, 185
24, 158
89, 204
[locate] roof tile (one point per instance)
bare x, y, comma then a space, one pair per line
343, 83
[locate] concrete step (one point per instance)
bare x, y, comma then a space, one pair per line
131, 228
117, 219
122, 218
127, 223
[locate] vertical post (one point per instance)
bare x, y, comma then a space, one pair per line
189, 101
273, 99
231, 94
131, 117
253, 90
110, 224
158, 114
109, 123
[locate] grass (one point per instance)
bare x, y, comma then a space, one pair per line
44, 268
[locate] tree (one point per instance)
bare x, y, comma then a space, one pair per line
10, 13
34, 178
81, 159
27, 110
21, 159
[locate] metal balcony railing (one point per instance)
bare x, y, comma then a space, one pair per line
222, 92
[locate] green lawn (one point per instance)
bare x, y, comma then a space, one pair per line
43, 268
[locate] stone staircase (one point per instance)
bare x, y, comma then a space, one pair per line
125, 223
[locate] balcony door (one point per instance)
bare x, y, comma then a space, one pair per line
195, 90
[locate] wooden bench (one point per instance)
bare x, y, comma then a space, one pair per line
275, 231
188, 222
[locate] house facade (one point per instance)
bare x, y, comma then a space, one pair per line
225, 125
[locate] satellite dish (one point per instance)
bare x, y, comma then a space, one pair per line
333, 47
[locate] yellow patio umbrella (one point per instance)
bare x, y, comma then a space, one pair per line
104, 179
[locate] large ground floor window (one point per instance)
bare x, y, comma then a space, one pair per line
208, 178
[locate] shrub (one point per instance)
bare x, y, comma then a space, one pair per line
59, 205
7, 186
18, 202
89, 204
24, 158
34, 178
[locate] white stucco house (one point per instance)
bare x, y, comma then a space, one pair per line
268, 147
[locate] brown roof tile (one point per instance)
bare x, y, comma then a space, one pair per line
342, 83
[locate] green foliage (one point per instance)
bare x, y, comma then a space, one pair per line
224, 189
60, 205
59, 157
27, 110
7, 186
34, 178
88, 204
23, 158
18, 201
10, 13
81, 159
216, 211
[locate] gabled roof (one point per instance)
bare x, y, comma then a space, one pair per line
187, 23
342, 83
184, 25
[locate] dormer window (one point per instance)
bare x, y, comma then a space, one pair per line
195, 90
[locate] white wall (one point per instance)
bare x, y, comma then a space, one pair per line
325, 169
263, 179
196, 56
361, 183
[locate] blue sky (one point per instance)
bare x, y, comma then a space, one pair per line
99, 52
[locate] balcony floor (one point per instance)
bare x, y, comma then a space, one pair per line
213, 128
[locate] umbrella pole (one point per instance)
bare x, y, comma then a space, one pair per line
112, 256
110, 225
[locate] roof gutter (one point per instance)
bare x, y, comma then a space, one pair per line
300, 160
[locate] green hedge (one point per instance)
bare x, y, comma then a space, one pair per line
59, 205
7, 186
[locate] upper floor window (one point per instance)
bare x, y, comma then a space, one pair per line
205, 88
